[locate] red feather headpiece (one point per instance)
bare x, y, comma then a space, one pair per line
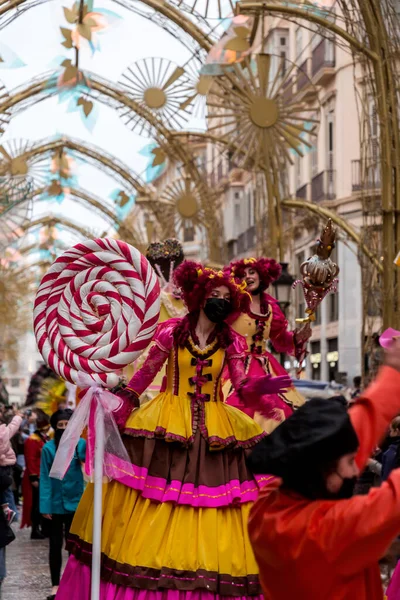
197, 282
267, 268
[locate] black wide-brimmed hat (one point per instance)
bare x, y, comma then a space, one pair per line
316, 435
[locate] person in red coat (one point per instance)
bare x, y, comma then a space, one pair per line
312, 539
30, 483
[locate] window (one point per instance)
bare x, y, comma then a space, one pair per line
277, 45
301, 307
298, 172
314, 154
333, 359
373, 126
330, 140
249, 208
315, 360
188, 232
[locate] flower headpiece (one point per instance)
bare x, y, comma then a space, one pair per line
267, 268
197, 282
165, 257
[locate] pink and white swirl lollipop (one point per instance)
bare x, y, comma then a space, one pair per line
96, 310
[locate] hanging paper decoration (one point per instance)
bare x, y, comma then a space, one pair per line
157, 162
87, 24
123, 202
74, 88
8, 58
233, 47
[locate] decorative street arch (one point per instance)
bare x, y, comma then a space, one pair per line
109, 93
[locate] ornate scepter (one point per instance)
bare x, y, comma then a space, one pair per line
319, 274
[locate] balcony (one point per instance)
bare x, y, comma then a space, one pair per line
302, 77
323, 62
246, 241
301, 192
365, 178
323, 186
305, 89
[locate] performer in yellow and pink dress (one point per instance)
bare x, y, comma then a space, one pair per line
174, 521
264, 321
164, 257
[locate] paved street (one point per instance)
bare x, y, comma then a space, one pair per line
28, 576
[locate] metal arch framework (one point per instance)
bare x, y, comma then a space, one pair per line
56, 220
126, 176
109, 93
260, 6
91, 201
161, 6
105, 91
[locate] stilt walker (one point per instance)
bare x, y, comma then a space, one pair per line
96, 310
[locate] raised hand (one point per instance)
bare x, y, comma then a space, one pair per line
271, 385
303, 333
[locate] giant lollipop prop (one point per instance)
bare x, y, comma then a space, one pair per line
95, 312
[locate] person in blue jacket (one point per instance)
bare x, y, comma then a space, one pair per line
59, 498
390, 457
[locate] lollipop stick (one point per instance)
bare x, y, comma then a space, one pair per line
98, 502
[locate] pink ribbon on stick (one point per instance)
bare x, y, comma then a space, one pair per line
94, 411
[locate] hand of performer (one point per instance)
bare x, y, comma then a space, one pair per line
35, 484
303, 333
272, 385
126, 394
47, 517
392, 355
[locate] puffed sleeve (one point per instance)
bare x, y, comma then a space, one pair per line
159, 351
162, 346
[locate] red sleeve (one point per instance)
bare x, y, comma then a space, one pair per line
32, 451
281, 338
373, 412
158, 354
356, 533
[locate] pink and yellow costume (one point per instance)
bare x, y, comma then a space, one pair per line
164, 257
177, 528
258, 329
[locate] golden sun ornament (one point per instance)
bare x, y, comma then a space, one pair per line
264, 115
161, 87
184, 196
17, 159
199, 88
210, 9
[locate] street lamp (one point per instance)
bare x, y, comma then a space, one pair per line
283, 288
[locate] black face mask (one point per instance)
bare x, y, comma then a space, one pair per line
217, 309
58, 435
